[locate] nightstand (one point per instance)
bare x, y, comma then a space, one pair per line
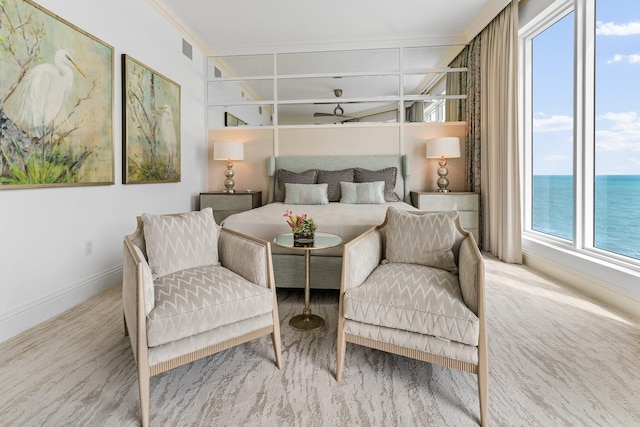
225, 204
467, 205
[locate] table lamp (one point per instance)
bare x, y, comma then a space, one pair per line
443, 148
228, 151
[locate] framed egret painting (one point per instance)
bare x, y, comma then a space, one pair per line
56, 101
150, 125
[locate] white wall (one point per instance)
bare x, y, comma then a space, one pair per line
347, 139
43, 232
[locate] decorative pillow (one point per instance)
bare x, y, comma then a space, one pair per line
334, 178
425, 238
284, 176
179, 242
365, 192
388, 175
305, 194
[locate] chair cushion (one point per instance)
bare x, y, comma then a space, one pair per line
413, 298
178, 242
199, 299
425, 238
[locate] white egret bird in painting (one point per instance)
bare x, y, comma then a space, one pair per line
43, 92
165, 130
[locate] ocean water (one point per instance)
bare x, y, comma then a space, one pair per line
617, 210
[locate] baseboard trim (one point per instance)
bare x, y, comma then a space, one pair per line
30, 314
616, 298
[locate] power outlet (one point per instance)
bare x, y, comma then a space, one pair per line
88, 247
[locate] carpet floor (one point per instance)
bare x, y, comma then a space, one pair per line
555, 359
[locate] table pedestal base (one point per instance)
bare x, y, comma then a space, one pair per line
306, 322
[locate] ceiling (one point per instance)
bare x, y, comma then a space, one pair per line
252, 26
247, 27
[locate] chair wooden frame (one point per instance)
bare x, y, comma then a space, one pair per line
351, 279
135, 319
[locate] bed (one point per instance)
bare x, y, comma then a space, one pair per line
347, 220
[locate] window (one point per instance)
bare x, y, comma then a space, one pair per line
581, 128
617, 127
552, 130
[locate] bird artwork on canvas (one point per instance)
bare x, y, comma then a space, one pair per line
43, 93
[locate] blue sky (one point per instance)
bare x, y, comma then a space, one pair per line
617, 92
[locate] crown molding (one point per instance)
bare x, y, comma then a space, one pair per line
486, 15
169, 14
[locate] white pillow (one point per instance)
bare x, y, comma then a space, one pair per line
423, 238
361, 193
179, 242
306, 194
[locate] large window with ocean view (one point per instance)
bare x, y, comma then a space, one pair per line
581, 128
552, 131
617, 127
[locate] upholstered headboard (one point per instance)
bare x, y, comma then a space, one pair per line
303, 163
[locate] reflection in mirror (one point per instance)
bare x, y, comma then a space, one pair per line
337, 62
239, 66
430, 83
239, 115
339, 112
241, 91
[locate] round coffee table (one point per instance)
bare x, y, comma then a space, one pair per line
307, 321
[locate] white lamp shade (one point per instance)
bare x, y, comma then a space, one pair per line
446, 146
228, 150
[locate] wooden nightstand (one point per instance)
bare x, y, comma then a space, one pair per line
225, 204
467, 205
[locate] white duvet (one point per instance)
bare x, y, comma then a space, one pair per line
346, 220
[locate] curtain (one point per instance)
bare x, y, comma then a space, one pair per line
456, 109
497, 133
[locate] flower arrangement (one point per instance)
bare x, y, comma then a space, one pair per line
300, 223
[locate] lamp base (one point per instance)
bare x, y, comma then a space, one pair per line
443, 181
229, 183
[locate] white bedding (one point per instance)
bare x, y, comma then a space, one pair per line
346, 220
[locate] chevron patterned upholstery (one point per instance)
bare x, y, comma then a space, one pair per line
412, 297
414, 286
191, 289
199, 299
434, 248
178, 242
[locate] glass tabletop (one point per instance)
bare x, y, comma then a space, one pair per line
320, 241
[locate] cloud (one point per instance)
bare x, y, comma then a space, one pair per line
623, 132
629, 59
553, 124
636, 161
613, 29
556, 158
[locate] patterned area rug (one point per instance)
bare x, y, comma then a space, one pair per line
555, 358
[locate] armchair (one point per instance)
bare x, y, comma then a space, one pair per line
191, 289
414, 286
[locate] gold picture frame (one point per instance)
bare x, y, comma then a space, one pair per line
56, 101
150, 125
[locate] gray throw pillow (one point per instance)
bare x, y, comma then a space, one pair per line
388, 175
333, 179
284, 176
424, 238
179, 242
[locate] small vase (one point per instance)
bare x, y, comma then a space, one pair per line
301, 240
